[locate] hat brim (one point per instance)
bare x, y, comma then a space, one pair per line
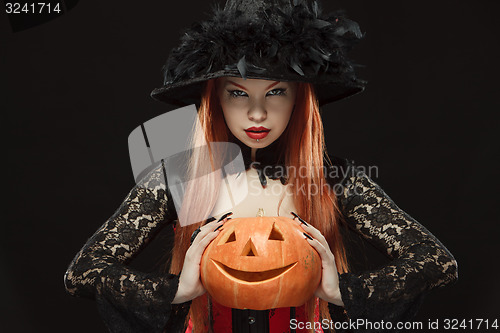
188, 92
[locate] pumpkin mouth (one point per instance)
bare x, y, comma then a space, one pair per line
252, 276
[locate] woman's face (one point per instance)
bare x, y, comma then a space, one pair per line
256, 111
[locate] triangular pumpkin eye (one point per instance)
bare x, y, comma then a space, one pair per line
231, 238
228, 237
276, 233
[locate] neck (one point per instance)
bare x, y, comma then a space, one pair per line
266, 156
253, 153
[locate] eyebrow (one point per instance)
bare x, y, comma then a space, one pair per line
240, 86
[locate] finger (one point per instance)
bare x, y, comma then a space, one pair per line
318, 236
208, 238
213, 220
327, 257
210, 227
295, 216
297, 219
310, 229
207, 221
225, 215
202, 245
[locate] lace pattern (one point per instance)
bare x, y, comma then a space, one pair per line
133, 301
129, 300
419, 261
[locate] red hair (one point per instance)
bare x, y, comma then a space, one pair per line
304, 148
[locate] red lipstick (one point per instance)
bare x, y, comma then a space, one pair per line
257, 132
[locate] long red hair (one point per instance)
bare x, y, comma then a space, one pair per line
315, 202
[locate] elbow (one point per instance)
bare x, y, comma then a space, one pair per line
69, 282
450, 268
83, 277
453, 270
76, 278
442, 268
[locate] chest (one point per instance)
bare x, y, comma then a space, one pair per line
244, 195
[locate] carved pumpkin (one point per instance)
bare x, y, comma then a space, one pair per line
260, 263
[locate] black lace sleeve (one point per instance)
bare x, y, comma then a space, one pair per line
129, 300
419, 262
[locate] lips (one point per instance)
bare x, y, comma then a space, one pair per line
257, 132
252, 276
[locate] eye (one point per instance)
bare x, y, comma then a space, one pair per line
277, 92
237, 93
276, 233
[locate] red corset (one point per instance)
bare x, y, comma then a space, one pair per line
279, 319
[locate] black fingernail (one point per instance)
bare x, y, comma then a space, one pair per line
195, 233
301, 220
224, 216
307, 236
218, 227
209, 220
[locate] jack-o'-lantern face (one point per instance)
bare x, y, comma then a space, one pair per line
260, 263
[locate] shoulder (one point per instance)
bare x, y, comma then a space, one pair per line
338, 169
350, 182
153, 176
152, 188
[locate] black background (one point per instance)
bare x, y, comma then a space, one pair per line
74, 88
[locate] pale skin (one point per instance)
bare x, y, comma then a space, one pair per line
247, 103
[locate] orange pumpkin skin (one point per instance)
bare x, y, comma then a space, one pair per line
260, 263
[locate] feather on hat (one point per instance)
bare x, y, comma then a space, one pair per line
278, 40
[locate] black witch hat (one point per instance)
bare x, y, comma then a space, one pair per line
281, 40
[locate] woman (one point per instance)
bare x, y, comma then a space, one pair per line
259, 71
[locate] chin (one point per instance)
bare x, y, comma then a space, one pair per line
251, 143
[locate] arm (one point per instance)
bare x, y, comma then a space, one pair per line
129, 300
419, 261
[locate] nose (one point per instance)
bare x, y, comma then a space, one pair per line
249, 250
257, 112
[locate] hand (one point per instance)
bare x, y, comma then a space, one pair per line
328, 288
190, 285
